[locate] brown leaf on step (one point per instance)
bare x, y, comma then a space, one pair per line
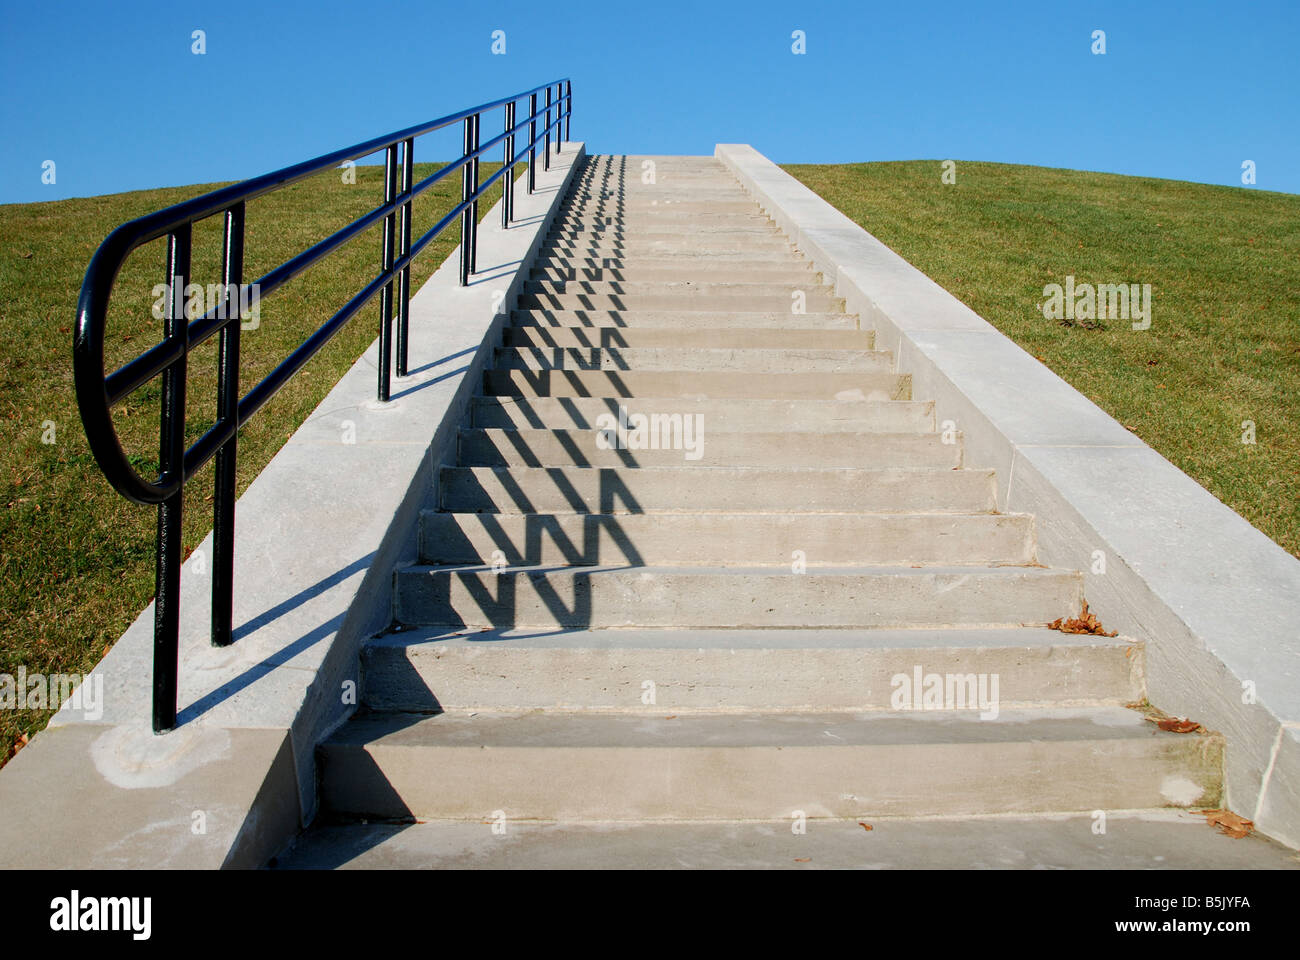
1174, 725
802, 859
1228, 823
673, 717
17, 745
864, 826
1085, 622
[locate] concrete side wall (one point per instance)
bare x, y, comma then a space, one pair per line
318, 535
1215, 600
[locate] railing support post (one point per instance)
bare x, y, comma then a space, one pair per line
568, 110
171, 466
508, 184
532, 142
466, 217
386, 265
546, 155
223, 494
404, 282
473, 208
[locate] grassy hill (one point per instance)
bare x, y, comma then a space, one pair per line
76, 559
1224, 268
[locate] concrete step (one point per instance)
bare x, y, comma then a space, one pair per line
710, 245
619, 206
678, 231
680, 299
690, 384
762, 767
724, 416
1134, 840
745, 539
717, 671
749, 489
704, 360
688, 287
664, 218
661, 596
675, 440
703, 338
676, 319
749, 272
667, 256
636, 196
666, 233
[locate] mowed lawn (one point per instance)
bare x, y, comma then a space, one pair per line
76, 559
1223, 263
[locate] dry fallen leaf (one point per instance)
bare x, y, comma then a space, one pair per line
1174, 725
1228, 823
17, 745
802, 859
1085, 622
864, 826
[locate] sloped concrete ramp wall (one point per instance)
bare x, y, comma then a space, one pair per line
1216, 601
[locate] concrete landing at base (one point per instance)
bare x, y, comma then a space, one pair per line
1146, 841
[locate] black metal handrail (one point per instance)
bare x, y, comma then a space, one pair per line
97, 393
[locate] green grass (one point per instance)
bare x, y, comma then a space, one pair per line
76, 559
1224, 267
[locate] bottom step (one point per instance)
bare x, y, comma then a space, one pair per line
1156, 840
649, 765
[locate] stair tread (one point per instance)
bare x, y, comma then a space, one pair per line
833, 570
1155, 840
685, 639
651, 728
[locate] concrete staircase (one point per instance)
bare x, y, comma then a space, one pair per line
699, 542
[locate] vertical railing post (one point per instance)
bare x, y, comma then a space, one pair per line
386, 294
404, 282
568, 110
546, 155
171, 467
559, 118
223, 494
508, 181
532, 142
473, 222
466, 218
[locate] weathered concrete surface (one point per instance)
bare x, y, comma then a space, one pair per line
650, 766
596, 448
1215, 600
87, 796
619, 596
676, 383
715, 671
710, 359
727, 538
317, 535
1171, 840
747, 489
727, 415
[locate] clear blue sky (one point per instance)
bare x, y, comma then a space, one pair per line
110, 90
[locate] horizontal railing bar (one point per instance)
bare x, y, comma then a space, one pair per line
151, 363
142, 369
154, 225
257, 397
